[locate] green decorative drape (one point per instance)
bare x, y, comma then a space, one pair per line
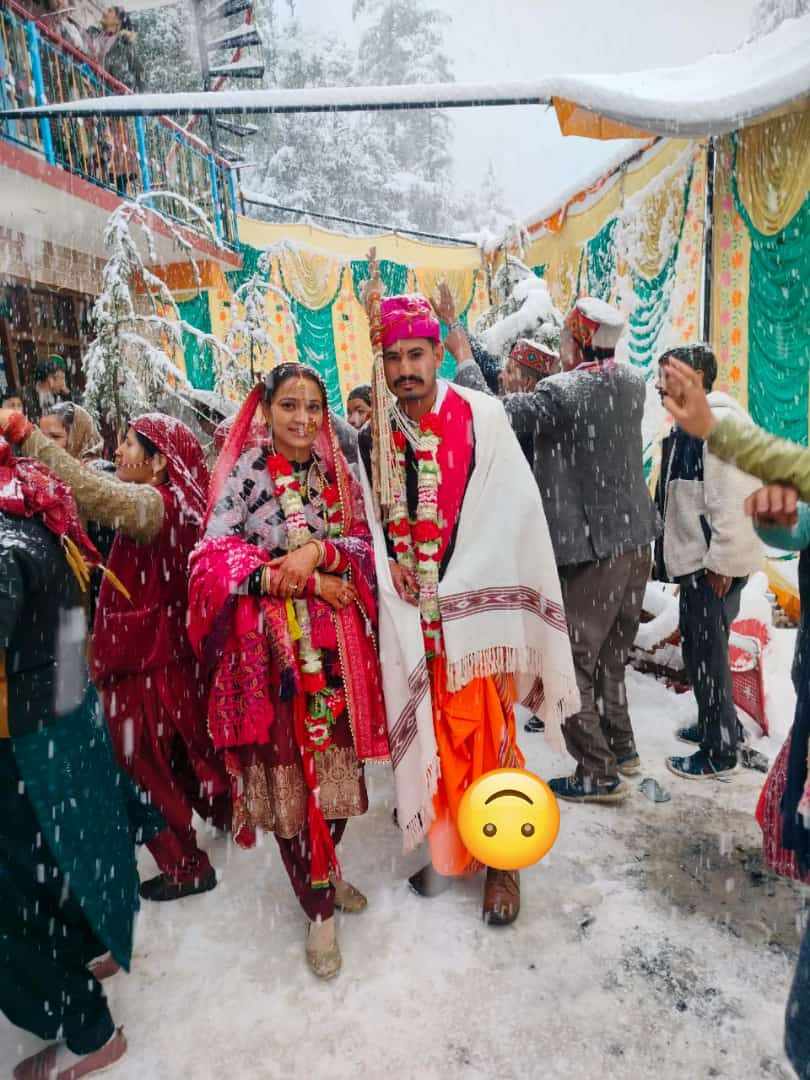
315, 341
653, 297
394, 276
539, 270
779, 324
250, 265
199, 359
601, 262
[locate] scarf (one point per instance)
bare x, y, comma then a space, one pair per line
29, 489
501, 610
188, 474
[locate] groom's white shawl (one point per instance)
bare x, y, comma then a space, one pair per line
501, 610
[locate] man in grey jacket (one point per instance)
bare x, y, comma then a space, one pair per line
588, 460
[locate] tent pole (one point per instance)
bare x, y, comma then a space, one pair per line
708, 241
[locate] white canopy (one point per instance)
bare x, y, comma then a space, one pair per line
717, 94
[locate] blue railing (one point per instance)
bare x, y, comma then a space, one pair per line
128, 155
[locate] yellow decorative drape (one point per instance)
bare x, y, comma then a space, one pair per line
561, 277
312, 279
352, 344
773, 170
575, 119
731, 281
460, 282
655, 225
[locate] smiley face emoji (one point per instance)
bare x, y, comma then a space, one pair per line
508, 819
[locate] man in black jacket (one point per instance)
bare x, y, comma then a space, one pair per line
588, 461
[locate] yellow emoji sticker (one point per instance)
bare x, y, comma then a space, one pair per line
508, 819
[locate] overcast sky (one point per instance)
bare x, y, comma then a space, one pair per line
525, 39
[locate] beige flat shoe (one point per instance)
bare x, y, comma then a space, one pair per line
348, 898
323, 952
45, 1064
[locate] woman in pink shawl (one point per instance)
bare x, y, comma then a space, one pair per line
282, 609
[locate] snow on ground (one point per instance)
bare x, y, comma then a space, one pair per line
650, 945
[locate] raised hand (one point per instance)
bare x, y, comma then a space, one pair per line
685, 397
374, 285
444, 305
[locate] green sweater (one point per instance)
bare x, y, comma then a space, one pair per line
770, 459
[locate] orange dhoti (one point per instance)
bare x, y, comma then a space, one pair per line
475, 733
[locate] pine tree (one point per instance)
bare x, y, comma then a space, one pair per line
168, 50
335, 163
403, 43
139, 333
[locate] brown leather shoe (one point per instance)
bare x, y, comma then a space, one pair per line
501, 897
44, 1065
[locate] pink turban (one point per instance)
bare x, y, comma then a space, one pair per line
407, 317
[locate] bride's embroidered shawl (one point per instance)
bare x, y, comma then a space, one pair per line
245, 639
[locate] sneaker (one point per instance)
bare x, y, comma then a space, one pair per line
629, 764
572, 789
534, 724
46, 1064
701, 766
689, 734
163, 888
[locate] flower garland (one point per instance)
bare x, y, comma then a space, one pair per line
325, 704
417, 544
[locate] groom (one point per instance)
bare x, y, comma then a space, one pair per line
469, 594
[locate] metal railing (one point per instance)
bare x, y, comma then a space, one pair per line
128, 155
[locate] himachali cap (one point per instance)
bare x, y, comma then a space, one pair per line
595, 324
408, 316
533, 355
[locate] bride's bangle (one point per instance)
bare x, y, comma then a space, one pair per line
321, 551
317, 578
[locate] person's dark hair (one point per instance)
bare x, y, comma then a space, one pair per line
12, 391
149, 447
274, 379
363, 392
64, 411
45, 368
591, 354
698, 357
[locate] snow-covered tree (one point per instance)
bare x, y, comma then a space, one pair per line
139, 330
248, 340
768, 14
335, 163
168, 50
403, 43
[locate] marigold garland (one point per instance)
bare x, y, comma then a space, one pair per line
417, 544
325, 704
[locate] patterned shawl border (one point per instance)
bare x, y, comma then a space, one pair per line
404, 730
507, 598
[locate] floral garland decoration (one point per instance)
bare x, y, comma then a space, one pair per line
417, 544
325, 704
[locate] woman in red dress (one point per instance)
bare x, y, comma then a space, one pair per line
282, 610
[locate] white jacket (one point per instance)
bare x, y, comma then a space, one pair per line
734, 549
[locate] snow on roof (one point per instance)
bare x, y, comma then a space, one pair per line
712, 96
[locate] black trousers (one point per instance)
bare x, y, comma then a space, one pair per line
45, 940
705, 624
797, 1016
